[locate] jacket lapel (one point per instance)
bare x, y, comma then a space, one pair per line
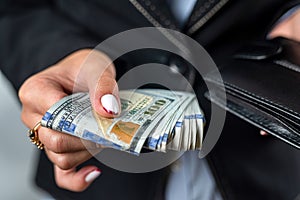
203, 11
156, 12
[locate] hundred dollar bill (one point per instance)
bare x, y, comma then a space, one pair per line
140, 112
186, 131
164, 136
162, 131
147, 120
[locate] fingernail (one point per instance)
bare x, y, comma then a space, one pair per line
110, 104
263, 133
92, 175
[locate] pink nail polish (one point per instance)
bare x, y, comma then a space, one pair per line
92, 175
109, 111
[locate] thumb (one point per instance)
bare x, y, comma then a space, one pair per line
103, 88
76, 181
104, 97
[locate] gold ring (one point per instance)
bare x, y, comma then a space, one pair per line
34, 136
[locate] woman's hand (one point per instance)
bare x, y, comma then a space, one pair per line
288, 28
72, 74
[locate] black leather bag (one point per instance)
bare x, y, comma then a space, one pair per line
262, 84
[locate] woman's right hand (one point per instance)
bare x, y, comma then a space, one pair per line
39, 92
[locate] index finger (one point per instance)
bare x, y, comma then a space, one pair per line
63, 143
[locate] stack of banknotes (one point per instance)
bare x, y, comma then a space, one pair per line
154, 119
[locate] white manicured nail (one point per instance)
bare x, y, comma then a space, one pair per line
92, 175
110, 104
263, 133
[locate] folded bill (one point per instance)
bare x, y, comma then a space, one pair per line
155, 119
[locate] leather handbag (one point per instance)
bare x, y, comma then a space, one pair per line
262, 85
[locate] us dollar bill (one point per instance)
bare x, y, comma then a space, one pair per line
148, 119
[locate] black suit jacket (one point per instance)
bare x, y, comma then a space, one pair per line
36, 34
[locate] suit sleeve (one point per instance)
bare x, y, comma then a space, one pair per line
37, 37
